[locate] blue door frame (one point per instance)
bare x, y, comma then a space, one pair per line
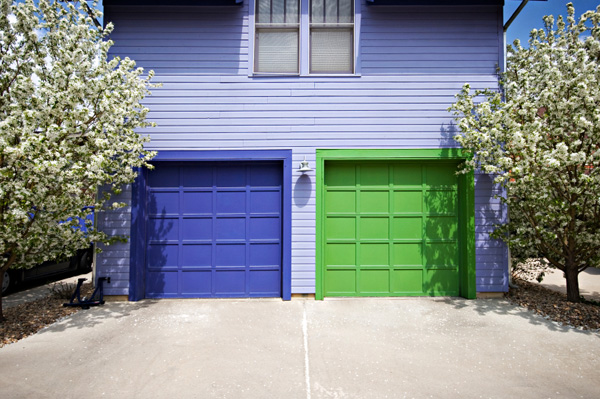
139, 214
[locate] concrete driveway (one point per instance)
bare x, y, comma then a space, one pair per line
350, 348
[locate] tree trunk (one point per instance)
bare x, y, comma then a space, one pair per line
572, 276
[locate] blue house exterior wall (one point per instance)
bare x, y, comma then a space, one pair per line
411, 61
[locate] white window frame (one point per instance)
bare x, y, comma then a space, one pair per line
304, 45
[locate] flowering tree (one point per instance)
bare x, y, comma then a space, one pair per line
541, 139
67, 120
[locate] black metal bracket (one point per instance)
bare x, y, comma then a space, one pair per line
96, 299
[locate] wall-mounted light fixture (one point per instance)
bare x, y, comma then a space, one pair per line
303, 168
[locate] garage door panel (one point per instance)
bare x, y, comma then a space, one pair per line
407, 281
163, 229
441, 176
441, 282
374, 281
441, 227
401, 233
265, 176
407, 175
340, 254
230, 282
374, 228
408, 253
161, 282
230, 228
441, 254
263, 281
340, 175
231, 202
197, 202
163, 256
195, 176
408, 201
340, 202
195, 255
340, 228
340, 282
230, 255
374, 175
264, 254
407, 227
220, 234
198, 228
163, 202
163, 177
437, 202
231, 176
374, 202
196, 283
265, 228
265, 202
374, 254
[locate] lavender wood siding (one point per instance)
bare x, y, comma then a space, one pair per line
113, 261
411, 63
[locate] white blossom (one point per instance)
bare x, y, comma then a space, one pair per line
68, 117
540, 136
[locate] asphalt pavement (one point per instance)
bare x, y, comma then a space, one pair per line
346, 348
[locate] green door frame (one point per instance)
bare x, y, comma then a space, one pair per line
466, 204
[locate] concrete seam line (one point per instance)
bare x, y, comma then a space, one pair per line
305, 336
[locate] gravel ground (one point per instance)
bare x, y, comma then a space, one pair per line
27, 319
554, 306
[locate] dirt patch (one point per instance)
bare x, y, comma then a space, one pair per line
554, 306
27, 319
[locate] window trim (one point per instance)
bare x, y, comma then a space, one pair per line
304, 45
335, 26
266, 26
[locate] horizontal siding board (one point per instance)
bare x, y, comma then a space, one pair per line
117, 291
408, 40
391, 116
211, 40
483, 285
113, 261
258, 132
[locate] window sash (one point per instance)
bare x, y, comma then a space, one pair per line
331, 11
277, 36
277, 51
332, 50
277, 12
331, 31
280, 34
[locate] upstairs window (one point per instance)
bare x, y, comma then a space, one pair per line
277, 36
331, 36
304, 36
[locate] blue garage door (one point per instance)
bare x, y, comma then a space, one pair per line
214, 230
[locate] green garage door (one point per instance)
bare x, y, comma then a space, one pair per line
390, 229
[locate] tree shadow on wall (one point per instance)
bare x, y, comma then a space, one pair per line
447, 134
160, 250
442, 247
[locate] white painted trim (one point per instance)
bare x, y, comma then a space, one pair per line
251, 40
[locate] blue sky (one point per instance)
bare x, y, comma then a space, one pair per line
532, 14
